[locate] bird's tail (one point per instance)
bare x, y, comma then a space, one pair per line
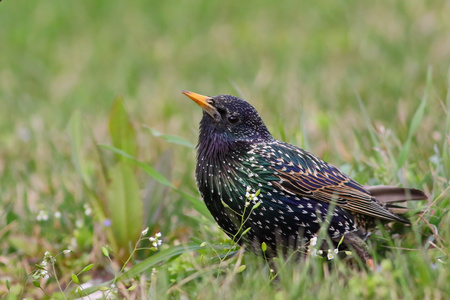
395, 198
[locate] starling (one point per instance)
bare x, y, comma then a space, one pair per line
278, 193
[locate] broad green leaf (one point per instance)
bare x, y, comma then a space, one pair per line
84, 165
122, 132
125, 205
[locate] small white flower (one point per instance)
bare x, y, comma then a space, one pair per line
57, 214
313, 241
336, 251
155, 240
79, 223
330, 254
67, 251
320, 252
45, 274
42, 216
249, 188
87, 210
145, 231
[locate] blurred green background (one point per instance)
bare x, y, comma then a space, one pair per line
59, 56
302, 64
296, 62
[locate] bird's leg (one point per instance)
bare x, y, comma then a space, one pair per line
356, 243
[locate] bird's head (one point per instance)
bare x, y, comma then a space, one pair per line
229, 119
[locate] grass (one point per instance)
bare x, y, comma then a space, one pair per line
364, 86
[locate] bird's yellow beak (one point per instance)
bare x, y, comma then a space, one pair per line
202, 101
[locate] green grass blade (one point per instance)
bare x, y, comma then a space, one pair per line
418, 116
152, 261
415, 122
196, 203
147, 168
446, 133
76, 135
173, 139
367, 119
157, 258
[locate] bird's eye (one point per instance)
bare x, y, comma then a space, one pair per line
233, 119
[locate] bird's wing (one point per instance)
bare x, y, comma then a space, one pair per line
301, 173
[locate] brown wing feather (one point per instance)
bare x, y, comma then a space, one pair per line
302, 173
393, 194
